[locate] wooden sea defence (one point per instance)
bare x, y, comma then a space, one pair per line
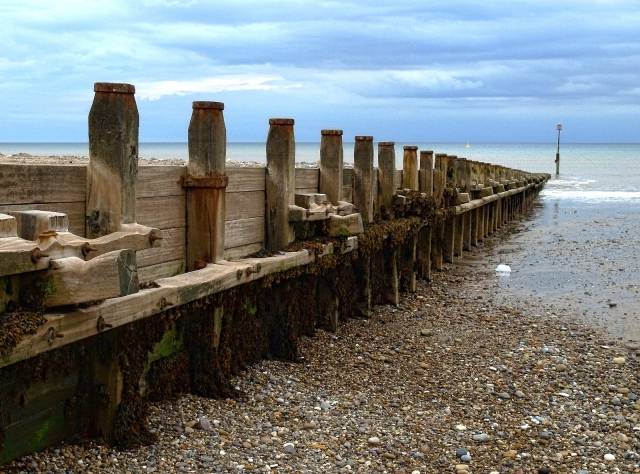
122, 283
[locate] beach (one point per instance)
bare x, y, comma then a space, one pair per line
464, 376
530, 371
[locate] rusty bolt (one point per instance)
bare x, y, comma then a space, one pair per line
101, 325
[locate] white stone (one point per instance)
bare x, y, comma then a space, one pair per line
609, 457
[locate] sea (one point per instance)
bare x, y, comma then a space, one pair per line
580, 247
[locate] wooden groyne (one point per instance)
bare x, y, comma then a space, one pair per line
122, 283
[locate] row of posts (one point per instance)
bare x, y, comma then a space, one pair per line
112, 172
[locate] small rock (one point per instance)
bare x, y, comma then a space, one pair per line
461, 452
504, 395
546, 434
374, 441
481, 437
203, 424
289, 448
609, 457
460, 427
619, 360
466, 458
519, 394
324, 405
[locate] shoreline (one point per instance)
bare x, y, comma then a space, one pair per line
457, 366
76, 160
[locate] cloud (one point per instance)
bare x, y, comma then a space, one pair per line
323, 58
232, 83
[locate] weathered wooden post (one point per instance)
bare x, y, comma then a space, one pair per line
410, 167
331, 159
425, 175
113, 159
450, 222
468, 216
205, 185
425, 185
386, 176
280, 182
363, 177
437, 234
386, 192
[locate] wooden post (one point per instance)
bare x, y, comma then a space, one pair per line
386, 176
363, 177
437, 234
410, 168
280, 182
331, 165
205, 184
425, 185
113, 159
425, 175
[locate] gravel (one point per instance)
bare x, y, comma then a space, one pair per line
357, 402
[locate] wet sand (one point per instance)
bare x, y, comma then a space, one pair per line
582, 256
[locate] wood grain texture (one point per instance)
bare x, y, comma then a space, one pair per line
307, 179
171, 248
160, 181
244, 231
246, 179
74, 280
242, 251
161, 270
24, 184
244, 205
162, 212
73, 210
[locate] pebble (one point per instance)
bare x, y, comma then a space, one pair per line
546, 434
481, 437
619, 360
374, 441
394, 420
461, 452
609, 457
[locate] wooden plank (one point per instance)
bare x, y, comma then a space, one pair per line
161, 270
160, 181
307, 178
161, 212
244, 231
73, 210
24, 184
19, 256
171, 248
242, 251
244, 205
74, 280
306, 191
174, 291
246, 179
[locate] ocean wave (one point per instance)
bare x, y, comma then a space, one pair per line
570, 182
590, 195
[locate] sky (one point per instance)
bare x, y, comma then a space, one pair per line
440, 71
